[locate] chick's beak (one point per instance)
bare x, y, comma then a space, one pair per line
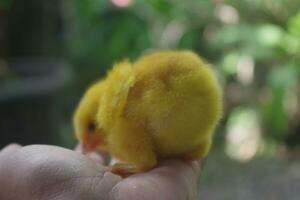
91, 144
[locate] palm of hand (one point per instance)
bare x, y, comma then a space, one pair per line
49, 172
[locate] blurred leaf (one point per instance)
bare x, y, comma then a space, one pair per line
111, 36
162, 6
5, 4
242, 116
283, 77
291, 41
280, 79
261, 42
189, 39
294, 25
269, 35
291, 44
87, 9
229, 35
229, 63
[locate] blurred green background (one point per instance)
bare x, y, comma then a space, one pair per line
51, 51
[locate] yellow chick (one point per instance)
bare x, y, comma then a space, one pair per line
166, 104
84, 119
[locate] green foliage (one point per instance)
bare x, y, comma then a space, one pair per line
281, 79
5, 4
294, 25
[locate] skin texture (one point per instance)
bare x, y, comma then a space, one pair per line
27, 174
164, 105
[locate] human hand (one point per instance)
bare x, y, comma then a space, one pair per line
51, 173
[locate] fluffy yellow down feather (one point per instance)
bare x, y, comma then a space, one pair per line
165, 104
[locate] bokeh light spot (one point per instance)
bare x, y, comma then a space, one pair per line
122, 3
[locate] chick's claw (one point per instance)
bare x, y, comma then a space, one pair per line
123, 169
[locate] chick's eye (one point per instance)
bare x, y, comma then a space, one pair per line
91, 127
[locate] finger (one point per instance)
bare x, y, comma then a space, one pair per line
9, 149
98, 156
58, 174
78, 148
173, 179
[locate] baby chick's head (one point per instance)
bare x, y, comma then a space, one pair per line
87, 130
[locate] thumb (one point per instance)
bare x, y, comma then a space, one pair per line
173, 179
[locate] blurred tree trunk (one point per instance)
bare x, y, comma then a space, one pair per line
3, 38
34, 28
31, 104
